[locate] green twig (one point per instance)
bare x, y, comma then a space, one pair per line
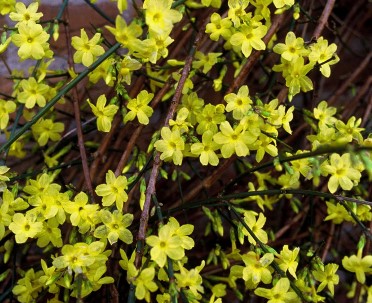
264, 247
320, 151
60, 94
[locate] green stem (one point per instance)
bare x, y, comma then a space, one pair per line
270, 192
99, 11
264, 247
21, 107
320, 151
60, 94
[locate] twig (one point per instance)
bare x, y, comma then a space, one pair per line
351, 106
60, 94
255, 55
329, 242
320, 151
207, 182
75, 101
98, 155
349, 80
150, 191
128, 149
324, 18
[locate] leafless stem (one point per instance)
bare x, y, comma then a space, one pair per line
324, 18
128, 150
255, 55
349, 80
75, 100
157, 162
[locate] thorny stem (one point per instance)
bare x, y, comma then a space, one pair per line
150, 191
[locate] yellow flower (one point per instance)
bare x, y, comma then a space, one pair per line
237, 11
113, 191
165, 245
190, 279
206, 149
249, 38
124, 34
205, 61
327, 276
218, 27
145, 284
279, 293
360, 266
171, 145
233, 140
7, 6
45, 129
139, 108
209, 118
105, 114
257, 269
32, 93
160, 17
127, 65
32, 41
104, 71
256, 226
25, 15
82, 213
6, 108
25, 227
287, 260
325, 114
296, 79
50, 233
115, 227
86, 50
341, 171
321, 52
239, 103
292, 49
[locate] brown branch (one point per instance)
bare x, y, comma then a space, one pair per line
253, 58
207, 182
119, 140
128, 149
75, 101
150, 191
329, 242
352, 105
324, 18
349, 80
104, 145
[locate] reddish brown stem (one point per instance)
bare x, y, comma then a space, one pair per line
324, 18
75, 100
253, 58
151, 187
349, 80
128, 150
